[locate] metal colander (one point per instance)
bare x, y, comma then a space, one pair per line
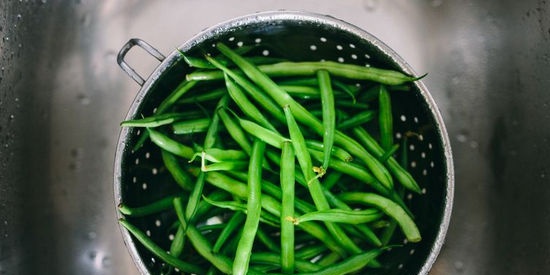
141, 179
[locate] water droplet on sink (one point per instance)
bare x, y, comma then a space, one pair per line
92, 254
92, 235
461, 138
83, 99
106, 261
459, 266
370, 5
436, 3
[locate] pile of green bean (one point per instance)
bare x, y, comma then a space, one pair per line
284, 167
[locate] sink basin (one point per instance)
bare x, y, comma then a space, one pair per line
62, 96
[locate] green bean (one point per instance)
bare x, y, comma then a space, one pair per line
252, 90
268, 136
363, 229
209, 141
328, 259
385, 119
158, 251
204, 96
302, 115
235, 131
276, 192
274, 259
265, 217
154, 120
182, 88
213, 128
389, 153
194, 197
349, 71
340, 216
355, 171
329, 115
313, 82
387, 234
310, 251
151, 208
287, 210
331, 179
234, 222
268, 241
302, 92
218, 155
170, 145
199, 242
337, 152
402, 175
225, 166
178, 174
389, 207
357, 119
314, 186
191, 126
245, 105
271, 205
254, 198
178, 243
349, 265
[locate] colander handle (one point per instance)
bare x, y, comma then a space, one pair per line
126, 48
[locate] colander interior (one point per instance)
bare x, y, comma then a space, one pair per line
142, 178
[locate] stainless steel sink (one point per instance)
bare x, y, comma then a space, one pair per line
62, 97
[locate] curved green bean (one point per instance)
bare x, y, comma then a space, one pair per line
389, 207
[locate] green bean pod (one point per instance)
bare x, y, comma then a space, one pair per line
170, 145
185, 127
145, 210
389, 207
340, 216
182, 178
385, 118
314, 186
254, 207
329, 115
287, 210
401, 174
232, 225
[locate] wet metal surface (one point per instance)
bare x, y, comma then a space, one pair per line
62, 96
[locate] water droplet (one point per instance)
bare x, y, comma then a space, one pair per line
83, 99
106, 261
92, 254
19, 17
92, 235
461, 138
459, 266
370, 5
436, 3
